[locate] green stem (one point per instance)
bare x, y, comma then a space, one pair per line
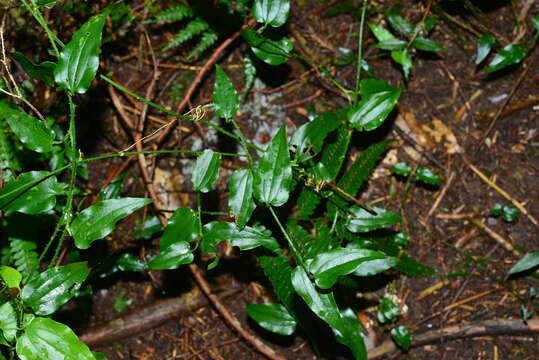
291, 244
33, 9
244, 144
360, 51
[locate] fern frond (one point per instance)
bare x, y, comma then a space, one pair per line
24, 255
335, 152
208, 39
176, 13
194, 28
8, 153
308, 200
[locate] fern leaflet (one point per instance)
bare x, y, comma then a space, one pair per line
174, 14
24, 256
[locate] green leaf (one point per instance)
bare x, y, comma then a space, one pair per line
402, 336
428, 176
148, 228
308, 139
273, 317
206, 171
271, 12
425, 44
387, 310
378, 99
412, 267
112, 190
29, 130
400, 24
273, 176
535, 21
31, 193
334, 153
402, 169
10, 276
225, 96
278, 269
24, 255
45, 339
273, 52
172, 257
240, 200
328, 266
79, 59
49, 290
404, 58
392, 44
529, 261
510, 213
120, 303
43, 71
377, 266
8, 321
128, 262
484, 46
183, 226
363, 221
509, 55
381, 34
99, 220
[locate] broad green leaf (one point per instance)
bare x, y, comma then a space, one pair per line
31, 193
43, 71
99, 220
246, 239
172, 257
273, 176
273, 52
10, 276
429, 23
412, 267
428, 176
387, 310
79, 59
29, 130
183, 226
129, 262
46, 339
484, 46
112, 190
509, 55
378, 99
240, 200
206, 171
361, 220
425, 44
309, 138
404, 58
328, 266
392, 44
402, 336
402, 169
381, 34
529, 261
354, 328
49, 290
148, 228
271, 12
8, 321
509, 213
225, 96
400, 24
273, 317
377, 266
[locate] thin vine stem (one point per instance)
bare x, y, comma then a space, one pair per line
291, 243
32, 8
360, 51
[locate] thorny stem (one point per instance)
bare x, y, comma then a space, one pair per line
360, 51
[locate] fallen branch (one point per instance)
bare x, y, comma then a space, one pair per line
483, 328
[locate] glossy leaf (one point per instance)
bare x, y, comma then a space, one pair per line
11, 277
79, 59
509, 55
225, 96
400, 24
404, 58
328, 266
29, 130
31, 193
240, 200
377, 266
183, 226
355, 331
45, 338
392, 44
172, 257
271, 12
528, 262
113, 189
129, 262
361, 220
402, 336
8, 321
49, 290
308, 139
381, 34
402, 169
425, 44
99, 220
206, 171
148, 228
246, 239
387, 310
273, 176
273, 52
273, 317
412, 267
378, 99
428, 176
43, 71
484, 46
509, 213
